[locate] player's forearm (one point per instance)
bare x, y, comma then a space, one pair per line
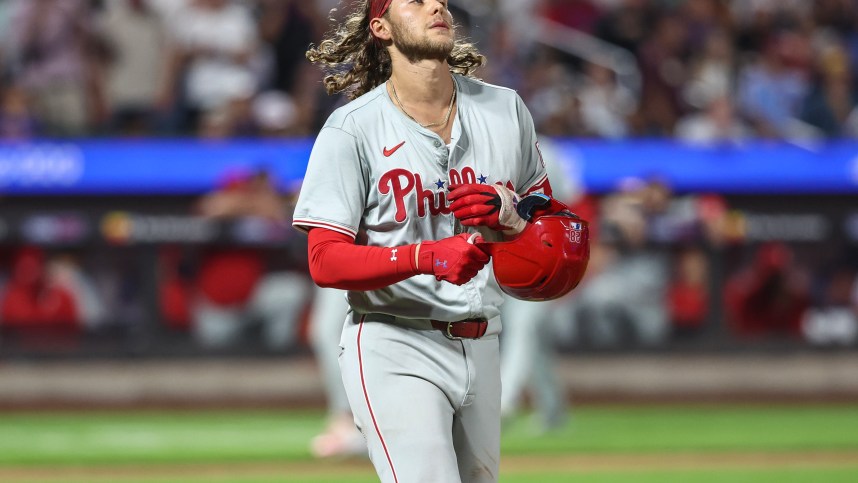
336, 262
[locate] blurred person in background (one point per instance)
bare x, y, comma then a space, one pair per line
548, 85
234, 289
688, 293
756, 20
604, 103
168, 8
834, 16
704, 18
17, 121
716, 124
54, 54
134, 35
275, 114
216, 124
663, 72
769, 297
693, 228
712, 73
771, 90
830, 103
213, 47
853, 297
34, 297
519, 16
237, 118
176, 276
625, 298
709, 90
504, 48
529, 344
833, 319
627, 24
66, 270
340, 437
581, 15
6, 9
287, 27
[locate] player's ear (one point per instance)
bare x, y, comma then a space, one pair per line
380, 28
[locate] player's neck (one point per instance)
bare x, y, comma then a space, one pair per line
427, 83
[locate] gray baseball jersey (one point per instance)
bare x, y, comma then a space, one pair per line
380, 177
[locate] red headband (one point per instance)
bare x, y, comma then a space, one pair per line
378, 7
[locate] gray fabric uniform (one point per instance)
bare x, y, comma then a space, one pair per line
429, 406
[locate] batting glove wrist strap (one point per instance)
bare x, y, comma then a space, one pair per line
493, 206
455, 259
535, 205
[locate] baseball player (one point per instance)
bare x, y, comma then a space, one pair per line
402, 183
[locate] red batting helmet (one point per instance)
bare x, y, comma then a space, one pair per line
545, 261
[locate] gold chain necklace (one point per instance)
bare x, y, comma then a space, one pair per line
431, 124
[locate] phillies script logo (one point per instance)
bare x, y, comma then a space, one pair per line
400, 183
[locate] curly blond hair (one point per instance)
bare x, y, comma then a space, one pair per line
355, 62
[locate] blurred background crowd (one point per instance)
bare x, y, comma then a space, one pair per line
667, 268
700, 70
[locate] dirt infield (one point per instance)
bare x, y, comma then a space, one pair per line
570, 464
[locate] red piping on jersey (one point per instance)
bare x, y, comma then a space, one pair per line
303, 225
541, 186
368, 405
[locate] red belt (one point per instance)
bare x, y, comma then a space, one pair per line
462, 329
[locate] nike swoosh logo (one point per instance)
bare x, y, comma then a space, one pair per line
389, 152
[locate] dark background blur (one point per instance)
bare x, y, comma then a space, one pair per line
151, 150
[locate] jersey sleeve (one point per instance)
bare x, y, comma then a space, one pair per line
533, 177
563, 171
334, 192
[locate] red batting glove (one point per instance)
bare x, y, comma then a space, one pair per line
455, 259
486, 205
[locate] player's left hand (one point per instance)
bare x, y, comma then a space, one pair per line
493, 206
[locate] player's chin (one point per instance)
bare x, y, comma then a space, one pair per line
442, 40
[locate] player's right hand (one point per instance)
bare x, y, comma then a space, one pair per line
488, 205
455, 259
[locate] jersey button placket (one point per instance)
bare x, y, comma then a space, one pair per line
444, 160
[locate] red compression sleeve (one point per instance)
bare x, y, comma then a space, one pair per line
335, 261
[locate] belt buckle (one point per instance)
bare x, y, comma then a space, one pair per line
450, 336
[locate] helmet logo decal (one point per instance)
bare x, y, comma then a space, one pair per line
575, 232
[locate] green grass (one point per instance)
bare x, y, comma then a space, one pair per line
704, 428
68, 441
718, 476
151, 437
724, 476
